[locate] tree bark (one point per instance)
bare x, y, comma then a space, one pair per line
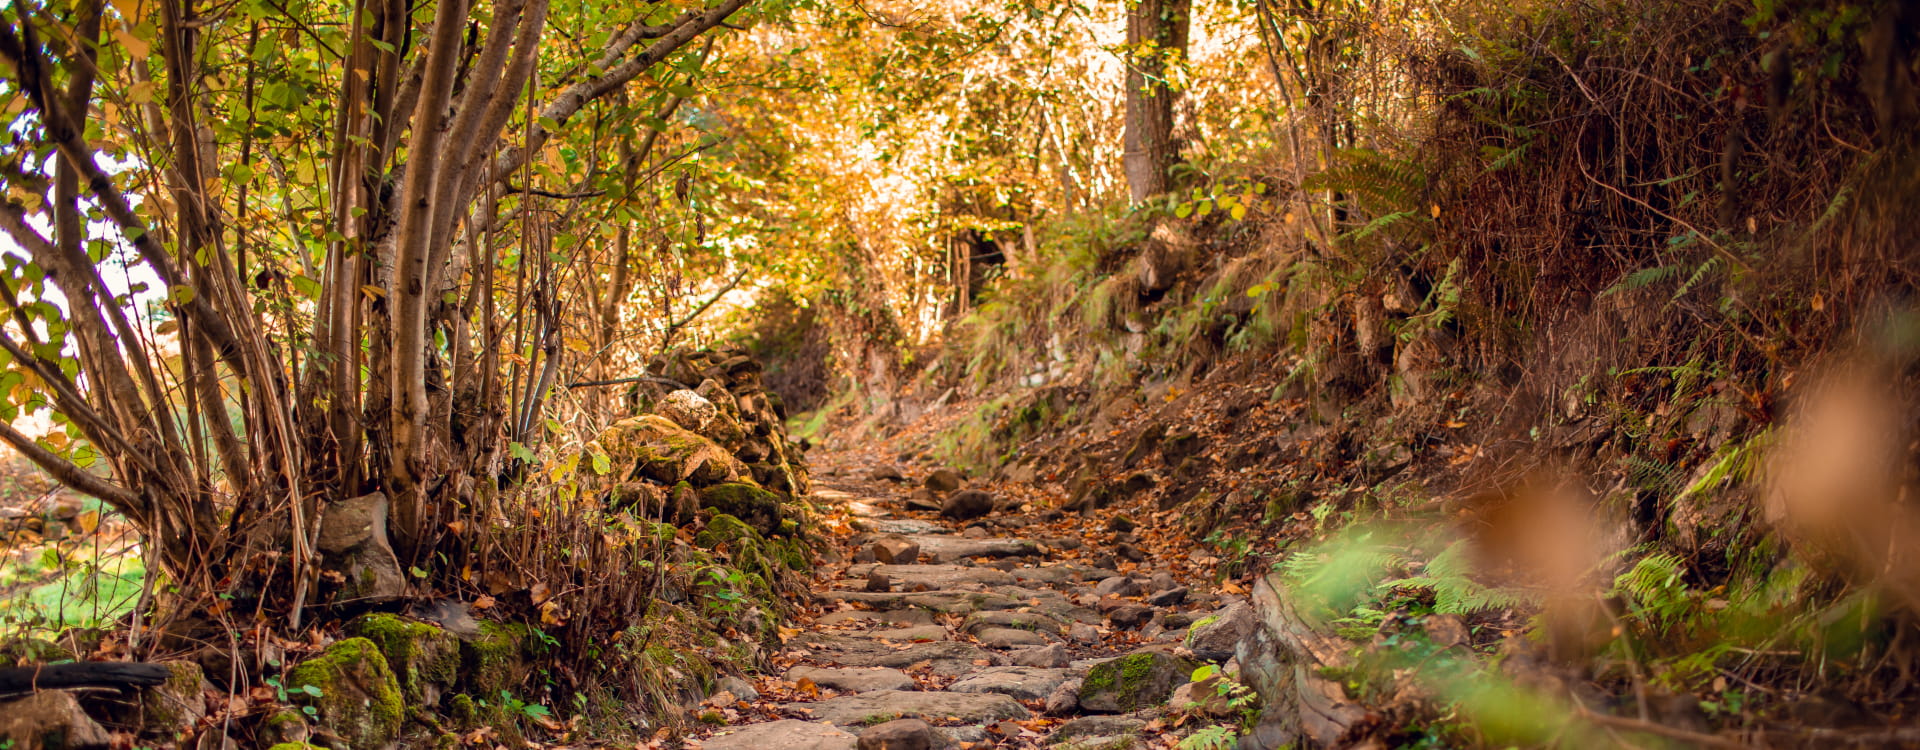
1156, 36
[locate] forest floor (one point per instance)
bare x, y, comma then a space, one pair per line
978, 624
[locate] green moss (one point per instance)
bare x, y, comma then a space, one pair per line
496, 659
752, 505
791, 553
359, 697
424, 657
176, 704
296, 746
724, 528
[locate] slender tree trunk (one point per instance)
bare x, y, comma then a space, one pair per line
1156, 36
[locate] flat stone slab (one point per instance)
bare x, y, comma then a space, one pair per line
1009, 619
905, 526
944, 547
911, 634
853, 680
888, 616
937, 576
786, 734
887, 705
955, 602
993, 637
1051, 575
1019, 683
948, 658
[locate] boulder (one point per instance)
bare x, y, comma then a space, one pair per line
353, 542
886, 473
688, 409
1130, 616
1168, 598
1215, 637
657, 448
966, 504
353, 691
424, 658
49, 720
1138, 680
786, 734
1065, 699
172, 707
896, 550
943, 480
1116, 586
1053, 656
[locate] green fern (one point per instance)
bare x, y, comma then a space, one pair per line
1382, 182
1455, 592
1655, 591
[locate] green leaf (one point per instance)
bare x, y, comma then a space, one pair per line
520, 452
601, 464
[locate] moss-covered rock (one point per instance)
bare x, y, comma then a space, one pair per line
424, 657
756, 507
359, 698
725, 529
284, 727
173, 706
296, 746
654, 447
1138, 680
496, 659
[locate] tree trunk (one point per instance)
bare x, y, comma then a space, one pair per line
1156, 36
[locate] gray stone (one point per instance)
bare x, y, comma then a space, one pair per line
1130, 616
947, 658
887, 705
52, 720
903, 734
945, 547
896, 551
943, 577
353, 541
1215, 638
1098, 726
1053, 656
1004, 619
909, 633
878, 582
907, 525
1169, 597
1021, 683
967, 504
786, 734
1009, 638
953, 602
890, 616
1138, 680
1116, 586
853, 680
1065, 699
886, 473
1081, 632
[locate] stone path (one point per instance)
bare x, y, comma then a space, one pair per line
937, 633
